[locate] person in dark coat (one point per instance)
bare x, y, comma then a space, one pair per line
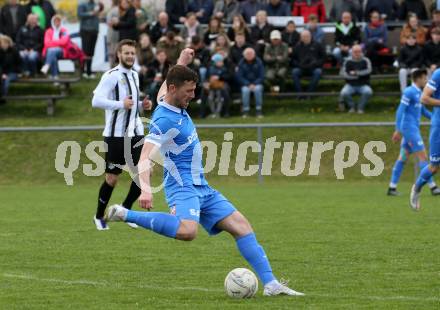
431, 51
12, 17
177, 10
307, 59
413, 6
347, 34
10, 65
410, 59
126, 23
250, 75
29, 43
161, 27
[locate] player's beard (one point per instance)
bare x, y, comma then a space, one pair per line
126, 65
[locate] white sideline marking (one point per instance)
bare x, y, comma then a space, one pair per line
105, 283
192, 288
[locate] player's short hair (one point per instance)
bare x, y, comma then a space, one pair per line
417, 74
124, 43
178, 75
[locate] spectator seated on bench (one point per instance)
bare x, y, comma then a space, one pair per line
346, 35
356, 70
250, 75
376, 36
431, 51
218, 87
410, 59
276, 59
10, 64
57, 45
29, 44
307, 59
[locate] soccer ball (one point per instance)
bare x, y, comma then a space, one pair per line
241, 283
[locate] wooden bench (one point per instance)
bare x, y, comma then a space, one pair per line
283, 95
66, 81
50, 99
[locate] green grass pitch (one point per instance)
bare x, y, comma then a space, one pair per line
346, 245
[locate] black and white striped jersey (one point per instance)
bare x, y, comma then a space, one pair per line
115, 85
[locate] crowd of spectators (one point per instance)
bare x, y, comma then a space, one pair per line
237, 48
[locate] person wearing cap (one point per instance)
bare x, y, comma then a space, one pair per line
276, 59
218, 76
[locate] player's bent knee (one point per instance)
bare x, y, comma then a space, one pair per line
187, 231
111, 179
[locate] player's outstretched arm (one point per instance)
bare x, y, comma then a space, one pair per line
145, 167
427, 97
186, 57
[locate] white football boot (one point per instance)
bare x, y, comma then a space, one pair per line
414, 200
115, 213
274, 288
100, 224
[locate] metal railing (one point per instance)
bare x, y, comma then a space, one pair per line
258, 127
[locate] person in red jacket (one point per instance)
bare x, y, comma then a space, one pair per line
306, 7
56, 39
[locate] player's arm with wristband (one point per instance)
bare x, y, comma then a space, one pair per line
102, 94
430, 88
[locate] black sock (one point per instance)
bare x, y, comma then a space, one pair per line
105, 192
132, 195
89, 66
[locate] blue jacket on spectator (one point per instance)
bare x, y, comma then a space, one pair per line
250, 73
282, 9
317, 34
376, 34
249, 8
206, 5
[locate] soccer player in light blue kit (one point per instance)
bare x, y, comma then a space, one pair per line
430, 96
190, 198
408, 129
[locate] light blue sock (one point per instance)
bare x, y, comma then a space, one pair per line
253, 252
424, 177
161, 223
422, 165
397, 171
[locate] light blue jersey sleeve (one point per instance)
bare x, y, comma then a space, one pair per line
426, 113
403, 107
434, 82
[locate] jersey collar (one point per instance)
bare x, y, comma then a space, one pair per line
169, 106
415, 86
123, 69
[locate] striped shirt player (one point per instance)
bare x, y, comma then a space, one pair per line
430, 96
190, 198
118, 94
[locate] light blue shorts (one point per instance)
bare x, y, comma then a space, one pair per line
434, 146
412, 142
199, 203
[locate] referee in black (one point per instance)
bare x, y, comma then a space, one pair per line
118, 94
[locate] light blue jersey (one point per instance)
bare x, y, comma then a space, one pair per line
410, 110
434, 137
434, 84
187, 192
173, 130
408, 119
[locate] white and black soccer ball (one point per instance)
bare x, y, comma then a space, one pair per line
241, 283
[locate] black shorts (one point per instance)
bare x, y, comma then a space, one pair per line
116, 155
